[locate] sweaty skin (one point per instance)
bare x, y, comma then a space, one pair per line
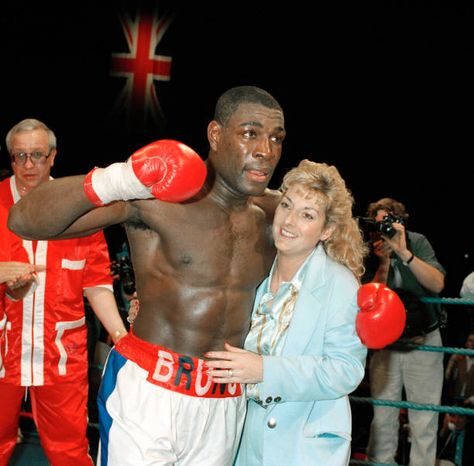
197, 263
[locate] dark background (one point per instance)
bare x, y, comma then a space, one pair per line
384, 91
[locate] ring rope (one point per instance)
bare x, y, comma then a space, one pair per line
404, 344
417, 406
431, 299
407, 344
372, 464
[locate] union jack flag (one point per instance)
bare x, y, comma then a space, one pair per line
141, 67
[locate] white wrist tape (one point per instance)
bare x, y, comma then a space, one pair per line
118, 182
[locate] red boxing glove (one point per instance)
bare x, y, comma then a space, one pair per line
382, 315
172, 170
166, 169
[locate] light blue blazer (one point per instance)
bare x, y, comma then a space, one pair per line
305, 418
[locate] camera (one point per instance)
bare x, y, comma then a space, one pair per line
383, 227
124, 269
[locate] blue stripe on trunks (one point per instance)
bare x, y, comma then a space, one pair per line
115, 362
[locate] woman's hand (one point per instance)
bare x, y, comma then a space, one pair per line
234, 365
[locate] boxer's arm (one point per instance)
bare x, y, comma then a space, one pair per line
167, 170
61, 209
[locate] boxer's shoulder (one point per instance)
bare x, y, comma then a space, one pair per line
269, 201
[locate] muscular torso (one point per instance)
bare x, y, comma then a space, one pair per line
197, 268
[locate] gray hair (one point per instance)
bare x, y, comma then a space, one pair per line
30, 124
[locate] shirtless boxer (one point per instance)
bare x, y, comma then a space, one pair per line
197, 263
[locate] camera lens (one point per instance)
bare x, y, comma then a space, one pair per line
385, 226
387, 230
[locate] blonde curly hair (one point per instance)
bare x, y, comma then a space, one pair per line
346, 244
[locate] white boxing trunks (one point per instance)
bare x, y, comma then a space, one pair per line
157, 407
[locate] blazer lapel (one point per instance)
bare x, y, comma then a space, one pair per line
308, 308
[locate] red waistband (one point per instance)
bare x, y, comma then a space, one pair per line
173, 371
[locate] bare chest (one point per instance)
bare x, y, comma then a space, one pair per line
236, 252
215, 250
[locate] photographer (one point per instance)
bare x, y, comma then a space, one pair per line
124, 275
122, 270
406, 262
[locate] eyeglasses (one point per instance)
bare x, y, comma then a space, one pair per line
35, 157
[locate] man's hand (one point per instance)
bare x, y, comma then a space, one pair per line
134, 307
398, 243
17, 274
19, 277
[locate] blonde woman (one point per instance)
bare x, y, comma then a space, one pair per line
302, 355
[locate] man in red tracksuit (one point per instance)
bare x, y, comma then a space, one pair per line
16, 277
46, 333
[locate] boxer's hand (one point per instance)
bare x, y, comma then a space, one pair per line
382, 316
166, 169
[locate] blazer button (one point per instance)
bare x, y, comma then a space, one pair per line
268, 400
277, 399
272, 423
